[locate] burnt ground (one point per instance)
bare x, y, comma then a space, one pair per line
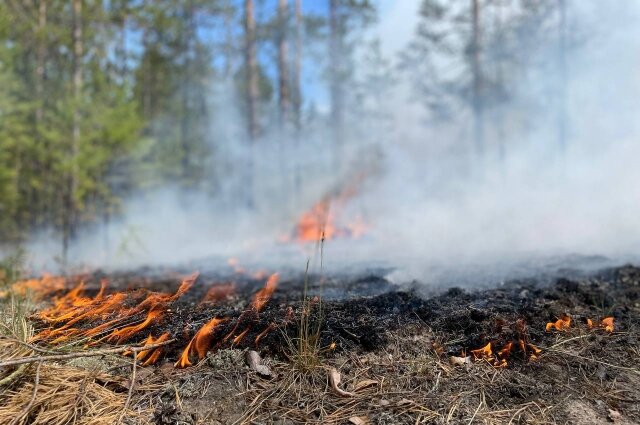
392, 347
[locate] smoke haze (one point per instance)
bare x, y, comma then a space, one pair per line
429, 201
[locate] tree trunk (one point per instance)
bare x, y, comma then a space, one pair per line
562, 76
251, 69
335, 72
122, 42
38, 201
478, 112
283, 83
297, 96
40, 59
146, 68
297, 68
228, 42
185, 119
70, 207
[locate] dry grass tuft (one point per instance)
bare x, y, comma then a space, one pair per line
52, 393
66, 395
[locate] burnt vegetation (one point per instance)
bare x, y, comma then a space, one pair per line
404, 357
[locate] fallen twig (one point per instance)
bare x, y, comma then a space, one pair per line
334, 380
631, 369
130, 393
28, 407
92, 353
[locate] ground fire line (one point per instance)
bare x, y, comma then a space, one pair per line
120, 317
123, 316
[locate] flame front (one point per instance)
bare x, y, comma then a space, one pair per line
137, 315
204, 338
117, 321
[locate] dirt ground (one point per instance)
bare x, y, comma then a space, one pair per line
396, 351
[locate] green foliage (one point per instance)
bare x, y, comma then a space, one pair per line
139, 116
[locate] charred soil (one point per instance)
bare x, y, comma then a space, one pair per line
403, 356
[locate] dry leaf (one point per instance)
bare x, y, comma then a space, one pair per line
404, 402
359, 420
459, 361
365, 384
334, 380
614, 415
255, 363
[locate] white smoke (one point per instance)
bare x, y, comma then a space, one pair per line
433, 204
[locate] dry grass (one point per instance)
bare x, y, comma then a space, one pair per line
67, 395
53, 393
304, 351
413, 384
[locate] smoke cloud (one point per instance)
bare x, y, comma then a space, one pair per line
431, 204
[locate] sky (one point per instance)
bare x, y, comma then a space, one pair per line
396, 23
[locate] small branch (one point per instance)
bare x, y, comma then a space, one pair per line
26, 410
57, 357
631, 369
30, 346
130, 393
13, 375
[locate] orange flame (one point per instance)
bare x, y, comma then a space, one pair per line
153, 355
535, 352
264, 333
218, 293
123, 334
607, 324
506, 350
200, 343
483, 353
263, 295
73, 308
316, 223
40, 288
561, 324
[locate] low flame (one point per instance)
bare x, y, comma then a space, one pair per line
200, 342
606, 324
153, 355
203, 340
74, 309
39, 288
218, 293
320, 223
316, 223
562, 324
262, 296
483, 353
125, 333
